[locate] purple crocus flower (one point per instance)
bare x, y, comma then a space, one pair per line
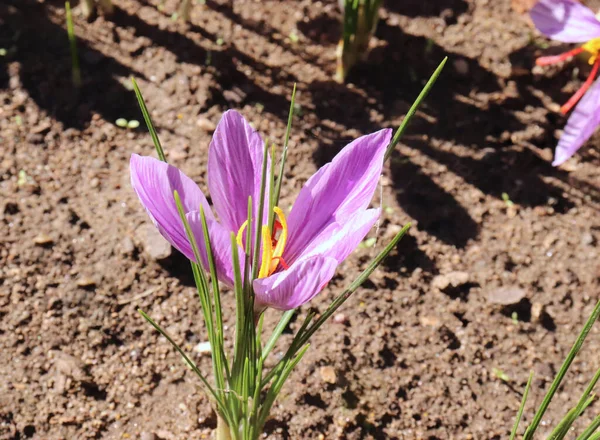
328, 220
571, 22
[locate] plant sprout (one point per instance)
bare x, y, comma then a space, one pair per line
359, 24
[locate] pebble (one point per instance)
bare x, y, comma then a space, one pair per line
461, 66
127, 246
86, 282
506, 296
429, 321
452, 279
340, 318
328, 374
206, 125
203, 348
147, 436
43, 240
155, 246
587, 239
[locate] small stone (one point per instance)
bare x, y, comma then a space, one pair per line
86, 282
202, 348
235, 96
587, 239
43, 240
461, 66
153, 243
537, 310
178, 154
506, 296
206, 124
429, 321
95, 182
328, 374
452, 279
127, 246
147, 436
340, 318
70, 366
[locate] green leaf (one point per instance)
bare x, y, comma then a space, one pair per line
75, 69
521, 407
561, 373
187, 360
148, 120
413, 109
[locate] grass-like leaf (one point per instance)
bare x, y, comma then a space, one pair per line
148, 119
413, 109
561, 373
521, 407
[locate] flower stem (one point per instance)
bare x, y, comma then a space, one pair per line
222, 432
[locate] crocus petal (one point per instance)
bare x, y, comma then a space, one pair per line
155, 182
235, 160
581, 125
338, 240
337, 191
565, 20
295, 286
220, 243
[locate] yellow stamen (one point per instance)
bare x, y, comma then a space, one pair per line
592, 47
281, 241
267, 256
240, 234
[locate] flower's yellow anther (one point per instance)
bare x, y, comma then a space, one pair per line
592, 47
267, 254
240, 234
281, 241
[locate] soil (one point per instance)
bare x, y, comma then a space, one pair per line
421, 350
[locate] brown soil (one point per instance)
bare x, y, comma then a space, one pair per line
412, 358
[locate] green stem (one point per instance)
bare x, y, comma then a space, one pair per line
223, 431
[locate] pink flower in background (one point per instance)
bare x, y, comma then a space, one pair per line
328, 220
571, 22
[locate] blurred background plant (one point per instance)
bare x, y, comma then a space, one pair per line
563, 427
359, 24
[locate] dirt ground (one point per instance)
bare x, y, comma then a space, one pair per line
417, 352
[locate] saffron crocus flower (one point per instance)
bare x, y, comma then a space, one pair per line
571, 22
328, 220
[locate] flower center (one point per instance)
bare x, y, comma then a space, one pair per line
592, 47
273, 243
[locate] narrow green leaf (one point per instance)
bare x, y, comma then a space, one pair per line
187, 360
148, 119
341, 299
283, 322
585, 435
304, 334
284, 154
561, 373
414, 107
259, 215
521, 407
75, 69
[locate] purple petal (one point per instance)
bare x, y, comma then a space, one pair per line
336, 192
565, 20
581, 125
154, 182
220, 242
340, 239
235, 160
295, 286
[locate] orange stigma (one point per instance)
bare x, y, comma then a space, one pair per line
592, 47
273, 244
